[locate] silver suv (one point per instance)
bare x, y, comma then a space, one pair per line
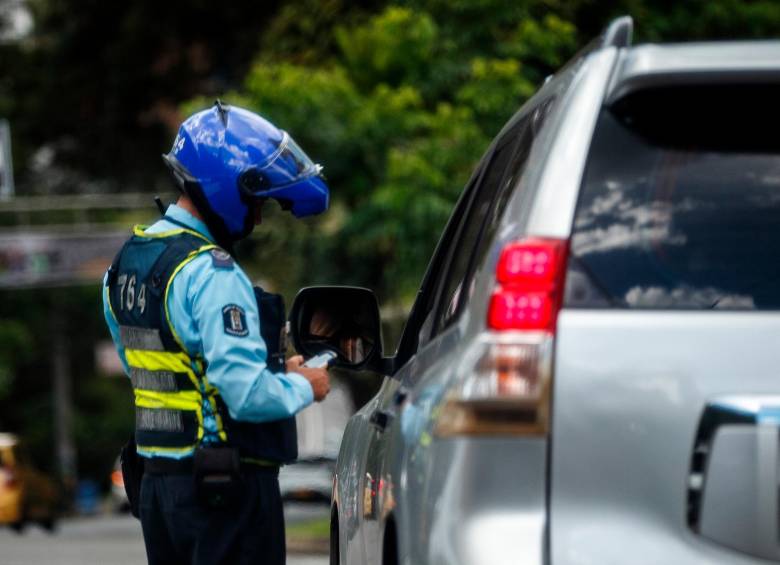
590, 373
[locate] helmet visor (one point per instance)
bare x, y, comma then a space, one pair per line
288, 164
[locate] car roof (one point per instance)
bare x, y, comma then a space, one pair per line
647, 66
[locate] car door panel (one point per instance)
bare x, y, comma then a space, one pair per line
351, 469
373, 484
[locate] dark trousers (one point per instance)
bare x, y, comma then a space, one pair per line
179, 529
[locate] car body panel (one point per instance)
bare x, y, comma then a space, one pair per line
625, 421
376, 479
351, 481
647, 66
452, 504
466, 508
552, 211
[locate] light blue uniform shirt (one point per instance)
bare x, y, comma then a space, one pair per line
236, 365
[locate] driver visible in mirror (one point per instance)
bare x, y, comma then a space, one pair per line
334, 331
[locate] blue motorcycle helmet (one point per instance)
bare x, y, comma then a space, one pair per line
229, 160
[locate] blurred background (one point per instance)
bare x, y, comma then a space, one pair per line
397, 100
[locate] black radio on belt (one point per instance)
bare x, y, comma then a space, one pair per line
217, 473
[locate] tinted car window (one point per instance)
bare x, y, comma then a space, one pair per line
527, 131
472, 225
420, 322
501, 178
680, 205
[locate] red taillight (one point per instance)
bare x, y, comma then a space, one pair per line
529, 278
505, 376
117, 479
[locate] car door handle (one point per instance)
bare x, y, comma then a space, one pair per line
381, 419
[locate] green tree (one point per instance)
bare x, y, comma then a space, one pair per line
393, 48
399, 115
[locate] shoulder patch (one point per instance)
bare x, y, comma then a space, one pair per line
234, 320
221, 259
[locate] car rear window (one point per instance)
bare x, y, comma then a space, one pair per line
680, 203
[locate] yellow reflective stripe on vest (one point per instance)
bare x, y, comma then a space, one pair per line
107, 300
138, 230
178, 268
215, 412
211, 393
207, 388
162, 361
186, 450
187, 400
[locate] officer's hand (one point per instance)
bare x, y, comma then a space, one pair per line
318, 378
294, 363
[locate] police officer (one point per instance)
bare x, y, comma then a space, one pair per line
214, 405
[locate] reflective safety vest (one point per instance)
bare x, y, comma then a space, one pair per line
171, 387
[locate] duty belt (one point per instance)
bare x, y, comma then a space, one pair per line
168, 466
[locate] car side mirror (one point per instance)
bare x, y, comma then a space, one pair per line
342, 319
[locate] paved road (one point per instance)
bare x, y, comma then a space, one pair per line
105, 540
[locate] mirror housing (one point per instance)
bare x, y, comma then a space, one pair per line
342, 319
